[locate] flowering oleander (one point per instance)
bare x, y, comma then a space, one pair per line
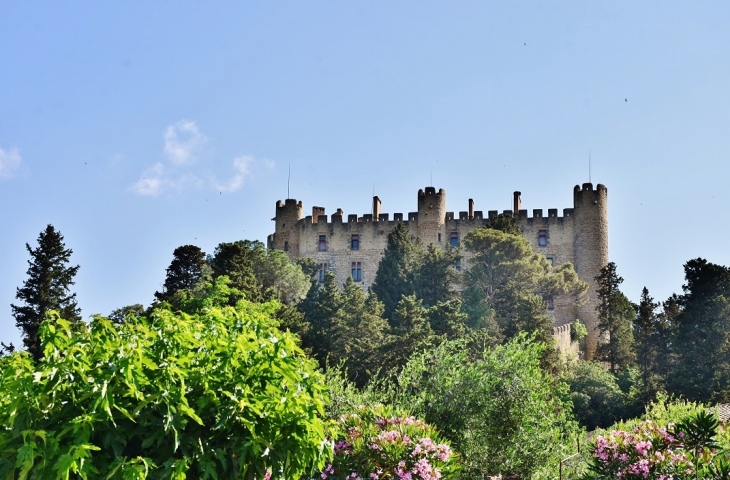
377, 443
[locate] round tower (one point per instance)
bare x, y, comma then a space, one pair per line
286, 234
431, 214
591, 253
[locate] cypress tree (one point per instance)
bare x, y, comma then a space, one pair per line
46, 289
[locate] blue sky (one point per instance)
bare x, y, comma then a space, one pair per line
136, 127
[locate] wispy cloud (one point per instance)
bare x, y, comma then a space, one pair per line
182, 141
151, 182
10, 161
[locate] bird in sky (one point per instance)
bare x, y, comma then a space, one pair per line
626, 100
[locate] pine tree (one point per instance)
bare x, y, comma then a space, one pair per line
436, 275
615, 314
396, 273
46, 289
185, 270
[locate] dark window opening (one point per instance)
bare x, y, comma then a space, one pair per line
355, 242
356, 271
439, 237
542, 238
322, 243
550, 304
454, 239
322, 270
551, 261
286, 246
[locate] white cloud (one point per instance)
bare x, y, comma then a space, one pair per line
242, 166
151, 182
9, 162
182, 140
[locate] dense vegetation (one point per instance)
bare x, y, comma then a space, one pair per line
157, 389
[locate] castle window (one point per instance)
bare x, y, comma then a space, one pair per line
322, 243
457, 265
286, 246
439, 237
551, 261
454, 239
550, 304
542, 238
322, 270
356, 271
355, 242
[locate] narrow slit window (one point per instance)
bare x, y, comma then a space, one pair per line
322, 270
355, 242
322, 243
356, 271
542, 238
286, 246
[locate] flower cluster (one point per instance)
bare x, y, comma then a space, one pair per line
648, 452
377, 443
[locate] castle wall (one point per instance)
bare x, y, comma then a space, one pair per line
578, 236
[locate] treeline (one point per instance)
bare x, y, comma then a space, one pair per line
420, 298
679, 347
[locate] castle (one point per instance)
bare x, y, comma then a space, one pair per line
354, 246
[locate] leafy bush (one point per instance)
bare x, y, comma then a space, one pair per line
578, 330
379, 443
217, 392
501, 412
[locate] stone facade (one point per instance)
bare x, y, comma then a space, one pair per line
354, 245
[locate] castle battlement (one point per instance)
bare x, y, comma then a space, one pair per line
352, 245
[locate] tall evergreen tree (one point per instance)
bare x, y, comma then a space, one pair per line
647, 337
436, 274
47, 288
615, 314
185, 270
396, 275
701, 371
236, 261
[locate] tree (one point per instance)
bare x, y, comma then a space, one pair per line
647, 330
615, 315
500, 411
396, 275
184, 272
278, 276
436, 275
505, 224
701, 340
47, 288
235, 261
508, 278
121, 315
214, 392
598, 401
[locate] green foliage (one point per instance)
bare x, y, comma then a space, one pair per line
505, 224
578, 330
436, 275
127, 313
701, 340
278, 277
211, 392
46, 289
597, 398
501, 412
396, 273
649, 336
235, 260
615, 316
184, 272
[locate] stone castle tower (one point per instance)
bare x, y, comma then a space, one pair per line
353, 246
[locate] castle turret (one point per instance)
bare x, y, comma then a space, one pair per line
431, 214
286, 234
591, 252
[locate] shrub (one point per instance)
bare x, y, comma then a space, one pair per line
217, 392
380, 443
501, 412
